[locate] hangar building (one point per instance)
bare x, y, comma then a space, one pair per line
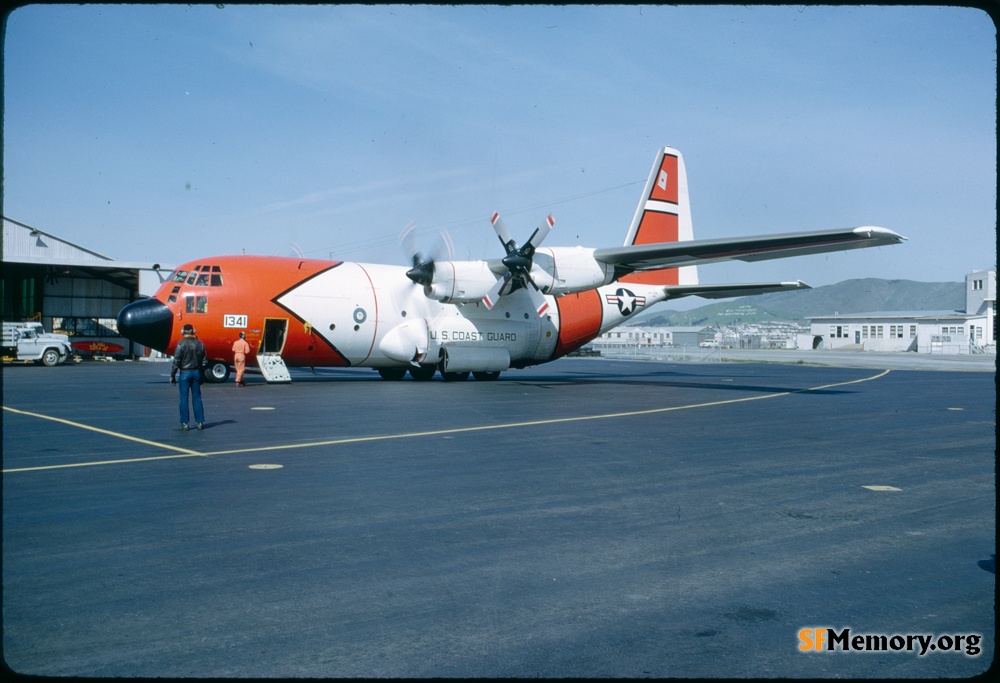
72, 290
973, 330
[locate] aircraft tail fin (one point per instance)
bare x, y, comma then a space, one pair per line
663, 215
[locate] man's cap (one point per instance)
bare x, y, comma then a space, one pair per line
187, 330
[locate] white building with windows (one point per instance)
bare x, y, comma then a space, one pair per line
951, 332
626, 338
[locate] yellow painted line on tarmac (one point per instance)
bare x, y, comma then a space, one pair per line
533, 423
842, 384
184, 452
98, 463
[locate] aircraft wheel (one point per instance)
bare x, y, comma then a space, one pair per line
486, 376
217, 371
392, 374
424, 373
454, 376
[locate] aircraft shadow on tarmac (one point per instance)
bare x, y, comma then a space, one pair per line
989, 565
666, 379
555, 383
663, 378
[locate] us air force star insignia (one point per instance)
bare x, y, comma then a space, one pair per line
626, 300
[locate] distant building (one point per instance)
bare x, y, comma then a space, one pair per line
624, 338
772, 334
952, 332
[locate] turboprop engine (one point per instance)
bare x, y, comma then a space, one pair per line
457, 282
554, 271
566, 270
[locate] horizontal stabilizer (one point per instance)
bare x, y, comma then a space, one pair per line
727, 291
644, 257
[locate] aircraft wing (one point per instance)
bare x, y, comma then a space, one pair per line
727, 291
642, 257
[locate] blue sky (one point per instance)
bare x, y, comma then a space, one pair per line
167, 133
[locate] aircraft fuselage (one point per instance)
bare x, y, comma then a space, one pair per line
318, 313
531, 306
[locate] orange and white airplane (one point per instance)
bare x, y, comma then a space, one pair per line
531, 306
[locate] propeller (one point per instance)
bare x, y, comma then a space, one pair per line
518, 262
422, 272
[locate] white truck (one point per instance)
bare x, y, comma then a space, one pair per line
30, 341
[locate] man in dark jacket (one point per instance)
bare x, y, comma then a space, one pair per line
189, 359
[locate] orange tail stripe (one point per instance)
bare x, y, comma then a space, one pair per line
656, 227
580, 317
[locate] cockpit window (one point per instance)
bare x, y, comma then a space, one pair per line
200, 276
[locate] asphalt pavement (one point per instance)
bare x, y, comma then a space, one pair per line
585, 518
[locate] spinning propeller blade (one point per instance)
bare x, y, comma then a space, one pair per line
537, 299
541, 232
491, 298
506, 239
518, 262
422, 272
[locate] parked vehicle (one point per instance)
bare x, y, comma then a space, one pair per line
30, 341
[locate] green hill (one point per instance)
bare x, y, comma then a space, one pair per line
850, 296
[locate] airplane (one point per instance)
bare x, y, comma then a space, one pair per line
532, 305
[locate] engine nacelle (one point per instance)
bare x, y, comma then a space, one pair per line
457, 282
565, 270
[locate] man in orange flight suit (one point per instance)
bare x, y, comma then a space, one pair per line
240, 350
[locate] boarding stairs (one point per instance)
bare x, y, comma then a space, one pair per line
273, 368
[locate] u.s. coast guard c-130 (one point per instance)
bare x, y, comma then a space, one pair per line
532, 305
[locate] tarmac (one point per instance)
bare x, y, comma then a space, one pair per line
584, 518
844, 359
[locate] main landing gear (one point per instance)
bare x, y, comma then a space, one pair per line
425, 373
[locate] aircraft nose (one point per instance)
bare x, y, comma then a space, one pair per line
147, 322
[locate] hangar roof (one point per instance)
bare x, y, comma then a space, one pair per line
25, 244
